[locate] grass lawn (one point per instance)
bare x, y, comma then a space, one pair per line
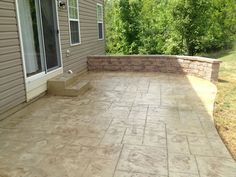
225, 106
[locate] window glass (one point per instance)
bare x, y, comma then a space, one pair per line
74, 30
74, 21
100, 30
100, 21
73, 13
99, 13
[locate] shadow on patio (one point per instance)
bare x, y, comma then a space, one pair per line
129, 124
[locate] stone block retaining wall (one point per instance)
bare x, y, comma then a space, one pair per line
205, 68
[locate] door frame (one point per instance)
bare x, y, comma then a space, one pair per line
37, 84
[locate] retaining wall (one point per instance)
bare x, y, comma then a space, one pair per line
202, 67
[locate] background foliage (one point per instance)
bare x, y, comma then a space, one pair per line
169, 26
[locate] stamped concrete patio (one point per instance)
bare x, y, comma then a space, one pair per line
127, 125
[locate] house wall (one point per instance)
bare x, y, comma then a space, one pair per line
90, 45
12, 82
12, 87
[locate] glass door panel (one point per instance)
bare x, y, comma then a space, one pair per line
31, 38
39, 33
50, 32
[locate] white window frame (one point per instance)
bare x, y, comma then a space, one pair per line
100, 21
76, 20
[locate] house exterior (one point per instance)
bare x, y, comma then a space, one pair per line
40, 39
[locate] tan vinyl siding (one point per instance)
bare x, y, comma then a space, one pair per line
90, 45
12, 86
12, 89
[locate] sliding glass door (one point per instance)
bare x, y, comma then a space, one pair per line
40, 40
50, 31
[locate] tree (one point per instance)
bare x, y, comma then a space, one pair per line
115, 42
191, 22
222, 28
169, 27
154, 26
130, 17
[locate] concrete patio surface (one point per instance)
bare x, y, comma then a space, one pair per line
127, 125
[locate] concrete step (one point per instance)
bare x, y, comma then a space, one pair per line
62, 80
67, 85
77, 88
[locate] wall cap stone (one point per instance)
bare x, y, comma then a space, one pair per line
192, 58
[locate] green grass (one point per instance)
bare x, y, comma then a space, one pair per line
225, 107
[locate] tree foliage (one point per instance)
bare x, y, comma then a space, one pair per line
130, 15
169, 27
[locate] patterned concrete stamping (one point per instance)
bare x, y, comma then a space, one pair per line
127, 125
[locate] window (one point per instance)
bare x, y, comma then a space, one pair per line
100, 21
73, 7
